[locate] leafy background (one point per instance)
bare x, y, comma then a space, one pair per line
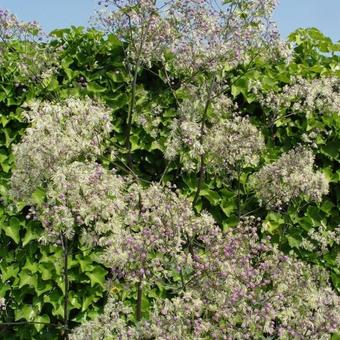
90, 63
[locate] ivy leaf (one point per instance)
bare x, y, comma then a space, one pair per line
86, 263
331, 149
306, 223
228, 206
240, 86
212, 196
42, 287
231, 221
91, 295
95, 88
8, 272
293, 242
273, 221
41, 318
97, 276
56, 300
31, 265
335, 336
26, 278
327, 206
13, 229
336, 280
26, 312
46, 270
32, 233
38, 196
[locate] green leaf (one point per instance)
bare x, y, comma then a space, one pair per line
26, 278
332, 149
53, 84
46, 270
335, 336
336, 280
86, 263
231, 221
97, 276
240, 86
12, 230
327, 206
74, 300
228, 206
95, 88
57, 301
212, 196
306, 223
90, 296
293, 242
273, 221
32, 233
8, 272
41, 318
314, 214
42, 287
38, 196
31, 265
26, 312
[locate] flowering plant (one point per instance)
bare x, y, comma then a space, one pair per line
154, 184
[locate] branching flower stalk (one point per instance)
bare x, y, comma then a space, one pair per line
77, 196
66, 284
139, 24
132, 104
202, 134
290, 177
232, 282
239, 288
22, 50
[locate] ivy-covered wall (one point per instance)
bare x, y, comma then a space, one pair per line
91, 64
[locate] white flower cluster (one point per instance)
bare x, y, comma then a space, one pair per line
83, 195
199, 33
307, 96
31, 61
138, 22
2, 304
184, 141
208, 35
232, 144
111, 324
291, 176
321, 239
60, 133
57, 156
244, 287
153, 242
227, 145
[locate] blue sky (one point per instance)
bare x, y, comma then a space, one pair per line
290, 14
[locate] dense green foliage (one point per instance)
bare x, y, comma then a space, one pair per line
89, 63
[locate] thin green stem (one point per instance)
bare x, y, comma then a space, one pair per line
14, 323
238, 192
66, 286
139, 301
130, 113
202, 134
182, 280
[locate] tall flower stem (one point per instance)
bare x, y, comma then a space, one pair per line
131, 111
202, 134
139, 301
133, 91
182, 280
238, 192
66, 286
